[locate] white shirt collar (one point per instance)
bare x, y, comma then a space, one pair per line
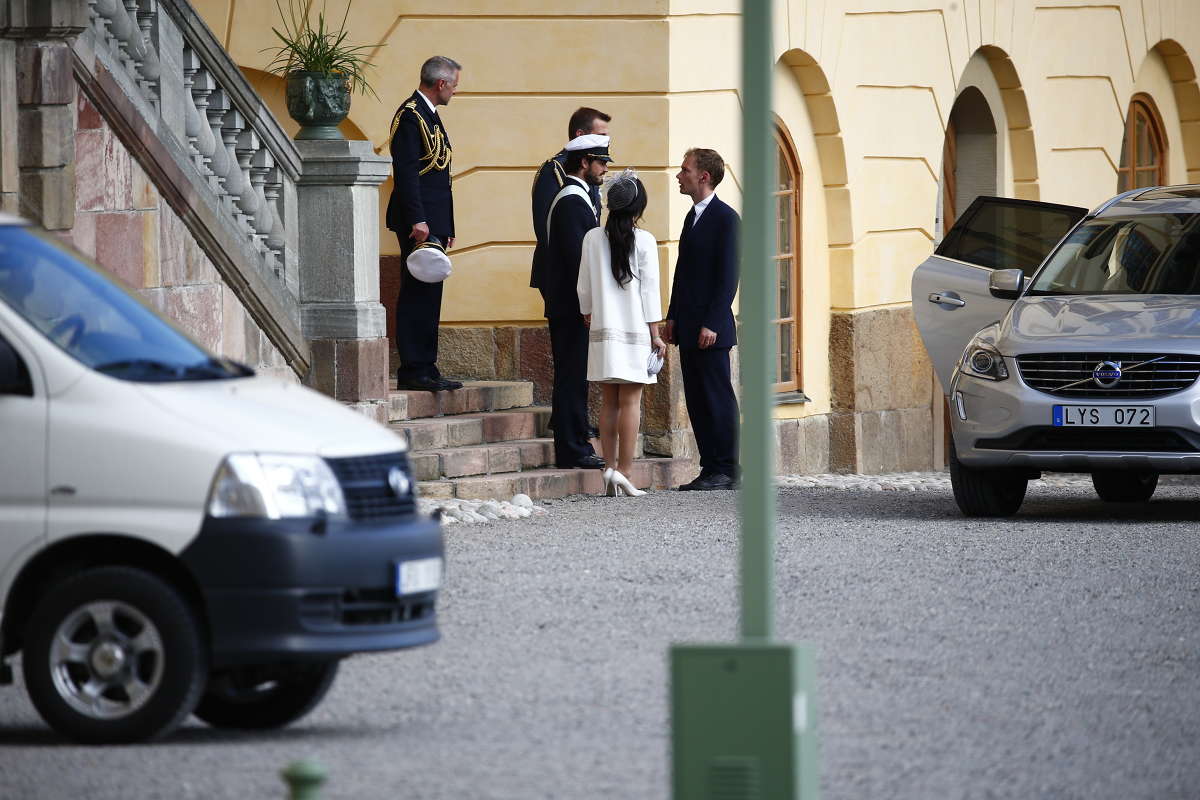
578, 180
432, 107
698, 209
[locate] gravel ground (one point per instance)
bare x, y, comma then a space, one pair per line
1056, 654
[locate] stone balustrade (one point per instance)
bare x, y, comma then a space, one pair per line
240, 152
186, 111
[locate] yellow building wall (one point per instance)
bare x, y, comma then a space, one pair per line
865, 88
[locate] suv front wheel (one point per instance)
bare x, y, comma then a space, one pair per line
986, 492
1124, 486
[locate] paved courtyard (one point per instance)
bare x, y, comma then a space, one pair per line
1056, 654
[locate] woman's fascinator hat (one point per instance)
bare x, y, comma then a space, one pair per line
622, 190
428, 261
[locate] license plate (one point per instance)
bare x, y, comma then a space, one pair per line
421, 575
1103, 416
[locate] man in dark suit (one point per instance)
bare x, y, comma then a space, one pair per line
700, 318
422, 206
549, 180
570, 217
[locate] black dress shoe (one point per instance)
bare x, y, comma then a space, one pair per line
709, 483
424, 383
592, 461
449, 385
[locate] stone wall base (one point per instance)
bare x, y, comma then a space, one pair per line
802, 446
871, 442
350, 370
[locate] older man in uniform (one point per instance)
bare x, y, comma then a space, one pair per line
422, 206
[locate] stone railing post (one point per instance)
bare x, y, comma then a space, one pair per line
340, 313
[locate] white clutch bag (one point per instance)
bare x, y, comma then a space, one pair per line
654, 363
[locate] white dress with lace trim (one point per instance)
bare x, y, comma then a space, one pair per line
619, 339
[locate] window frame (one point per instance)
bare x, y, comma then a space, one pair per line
786, 148
1142, 106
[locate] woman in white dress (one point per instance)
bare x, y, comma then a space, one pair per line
619, 300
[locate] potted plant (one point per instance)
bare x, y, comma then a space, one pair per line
320, 68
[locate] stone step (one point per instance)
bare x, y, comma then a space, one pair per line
457, 462
547, 484
462, 430
473, 398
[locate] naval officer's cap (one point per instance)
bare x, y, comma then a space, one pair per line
428, 261
593, 145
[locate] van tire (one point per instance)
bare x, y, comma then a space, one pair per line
150, 638
1124, 486
986, 492
263, 697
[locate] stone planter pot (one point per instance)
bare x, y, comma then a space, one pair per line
318, 101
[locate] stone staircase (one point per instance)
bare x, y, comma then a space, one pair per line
488, 441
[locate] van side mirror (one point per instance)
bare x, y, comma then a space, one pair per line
1006, 283
14, 376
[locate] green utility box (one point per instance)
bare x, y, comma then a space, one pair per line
744, 722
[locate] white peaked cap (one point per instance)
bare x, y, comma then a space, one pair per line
588, 141
428, 261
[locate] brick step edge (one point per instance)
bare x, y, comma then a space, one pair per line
548, 484
492, 427
518, 455
475, 397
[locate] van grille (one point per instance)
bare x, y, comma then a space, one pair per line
1165, 373
364, 481
354, 607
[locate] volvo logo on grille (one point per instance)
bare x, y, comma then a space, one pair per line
1107, 374
398, 481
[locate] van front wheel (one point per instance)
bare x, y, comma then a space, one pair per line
986, 492
262, 697
113, 655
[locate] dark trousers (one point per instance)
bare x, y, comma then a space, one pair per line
712, 407
569, 404
418, 312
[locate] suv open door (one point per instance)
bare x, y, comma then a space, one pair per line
950, 296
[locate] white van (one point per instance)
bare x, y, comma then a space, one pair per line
178, 535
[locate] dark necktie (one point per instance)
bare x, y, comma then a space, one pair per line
688, 222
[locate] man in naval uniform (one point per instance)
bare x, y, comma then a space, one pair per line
550, 179
422, 206
571, 216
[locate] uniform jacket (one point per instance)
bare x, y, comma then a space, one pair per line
421, 171
706, 276
573, 218
549, 179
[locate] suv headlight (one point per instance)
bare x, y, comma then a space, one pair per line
982, 360
275, 487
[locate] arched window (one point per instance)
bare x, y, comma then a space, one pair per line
787, 264
1144, 151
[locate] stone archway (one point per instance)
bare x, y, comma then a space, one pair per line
1187, 100
1019, 123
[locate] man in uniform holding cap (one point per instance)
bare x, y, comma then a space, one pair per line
550, 179
570, 217
421, 207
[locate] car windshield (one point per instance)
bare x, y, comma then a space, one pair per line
94, 320
1143, 254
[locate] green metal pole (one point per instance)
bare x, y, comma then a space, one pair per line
757, 348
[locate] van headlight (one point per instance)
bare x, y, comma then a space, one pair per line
275, 487
982, 360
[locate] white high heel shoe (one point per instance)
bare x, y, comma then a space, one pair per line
610, 490
621, 485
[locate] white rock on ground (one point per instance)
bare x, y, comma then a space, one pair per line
474, 512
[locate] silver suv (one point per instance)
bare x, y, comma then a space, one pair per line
1068, 341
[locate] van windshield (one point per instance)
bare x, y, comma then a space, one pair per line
1143, 254
94, 320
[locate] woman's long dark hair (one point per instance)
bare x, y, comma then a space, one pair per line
619, 228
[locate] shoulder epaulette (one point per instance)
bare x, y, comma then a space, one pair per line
437, 152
